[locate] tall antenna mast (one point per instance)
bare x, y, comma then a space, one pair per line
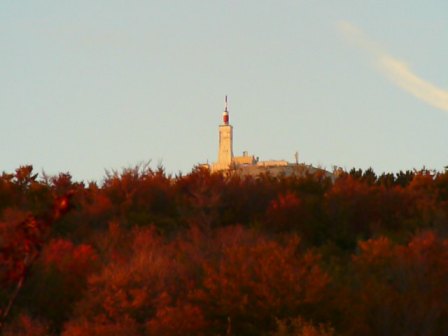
225, 114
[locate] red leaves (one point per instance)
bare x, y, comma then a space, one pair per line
24, 325
63, 204
256, 278
206, 254
21, 238
285, 213
195, 287
67, 258
400, 289
182, 319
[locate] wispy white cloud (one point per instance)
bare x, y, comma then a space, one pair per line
397, 71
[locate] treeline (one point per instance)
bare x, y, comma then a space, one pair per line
146, 253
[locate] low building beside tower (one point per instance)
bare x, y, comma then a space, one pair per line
249, 164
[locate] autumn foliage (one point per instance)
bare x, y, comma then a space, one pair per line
146, 253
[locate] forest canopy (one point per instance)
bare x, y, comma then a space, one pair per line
147, 253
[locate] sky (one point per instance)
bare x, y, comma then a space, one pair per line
89, 86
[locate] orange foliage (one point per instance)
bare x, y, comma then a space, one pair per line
400, 289
24, 325
132, 289
126, 327
207, 254
182, 319
254, 279
285, 213
300, 327
66, 258
234, 274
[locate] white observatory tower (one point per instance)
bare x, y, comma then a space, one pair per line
225, 153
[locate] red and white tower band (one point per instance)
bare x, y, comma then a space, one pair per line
225, 153
225, 114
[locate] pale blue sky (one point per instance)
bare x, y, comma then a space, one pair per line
94, 85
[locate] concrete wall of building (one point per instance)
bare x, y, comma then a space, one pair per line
287, 170
225, 152
244, 160
273, 163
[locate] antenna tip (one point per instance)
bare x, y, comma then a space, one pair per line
225, 105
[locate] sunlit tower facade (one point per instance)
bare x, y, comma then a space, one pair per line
225, 152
